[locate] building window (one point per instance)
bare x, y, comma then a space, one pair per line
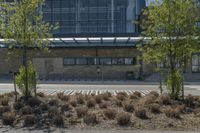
130, 61
91, 61
198, 24
118, 61
81, 61
196, 62
105, 61
99, 61
69, 61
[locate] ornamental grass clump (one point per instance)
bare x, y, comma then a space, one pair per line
141, 113
172, 113
103, 105
18, 105
8, 118
53, 102
73, 103
81, 111
80, 99
123, 119
4, 101
4, 109
26, 110
29, 120
98, 99
110, 113
90, 119
154, 108
34, 101
128, 107
58, 120
91, 103
164, 99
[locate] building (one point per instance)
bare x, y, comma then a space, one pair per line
95, 41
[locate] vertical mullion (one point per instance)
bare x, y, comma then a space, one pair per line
88, 15
198, 62
60, 16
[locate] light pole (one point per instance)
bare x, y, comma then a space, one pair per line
100, 70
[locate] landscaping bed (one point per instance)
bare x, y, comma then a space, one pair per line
103, 111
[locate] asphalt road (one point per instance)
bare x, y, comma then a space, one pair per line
75, 88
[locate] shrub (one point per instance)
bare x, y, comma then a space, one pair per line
37, 111
123, 119
58, 120
34, 101
180, 108
154, 93
91, 103
128, 107
18, 105
65, 107
29, 120
26, 110
106, 96
90, 119
53, 102
118, 103
103, 105
32, 79
44, 106
172, 113
60, 95
8, 118
98, 99
4, 101
138, 94
4, 109
154, 108
40, 94
141, 113
149, 99
53, 111
81, 111
110, 113
73, 103
190, 101
80, 99
164, 99
133, 96
121, 96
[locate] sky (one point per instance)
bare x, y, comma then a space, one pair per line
149, 1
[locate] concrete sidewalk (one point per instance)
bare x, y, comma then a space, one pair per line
98, 82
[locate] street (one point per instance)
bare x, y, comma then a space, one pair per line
70, 89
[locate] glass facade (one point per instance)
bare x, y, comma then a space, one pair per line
92, 16
196, 62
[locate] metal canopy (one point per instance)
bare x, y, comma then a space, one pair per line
94, 41
89, 42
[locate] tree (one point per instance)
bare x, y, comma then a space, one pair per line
171, 34
23, 28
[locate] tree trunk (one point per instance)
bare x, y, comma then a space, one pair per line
172, 69
25, 64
